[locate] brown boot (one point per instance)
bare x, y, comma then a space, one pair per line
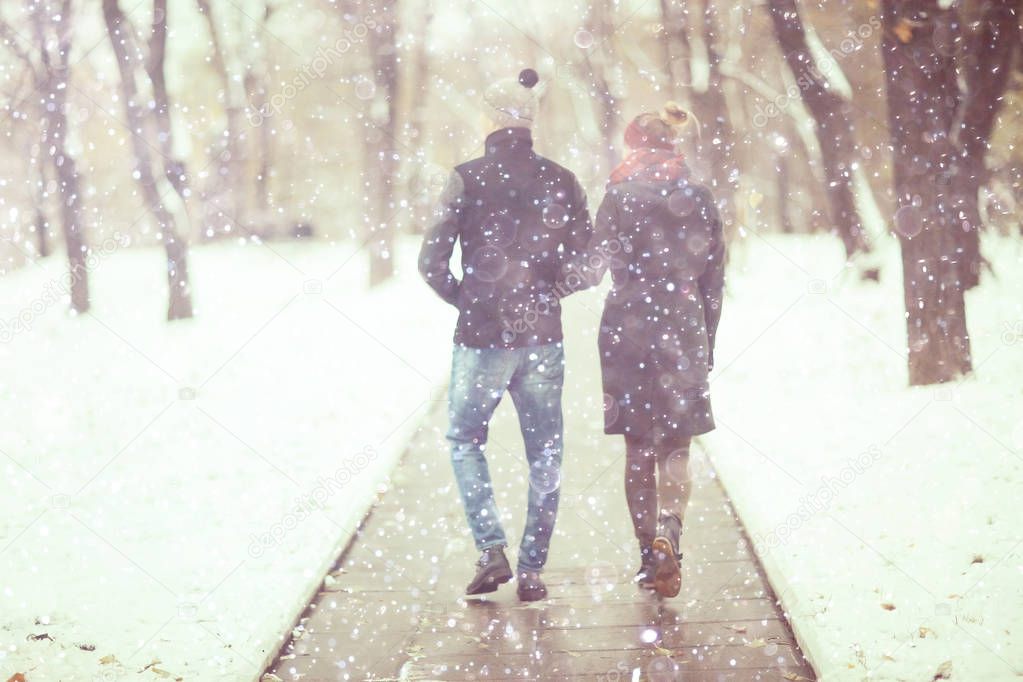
667, 566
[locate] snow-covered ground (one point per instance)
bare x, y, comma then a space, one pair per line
173, 493
888, 518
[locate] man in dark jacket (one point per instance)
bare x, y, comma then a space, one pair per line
521, 223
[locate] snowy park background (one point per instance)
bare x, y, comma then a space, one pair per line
176, 490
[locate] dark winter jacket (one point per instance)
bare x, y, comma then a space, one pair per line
663, 243
521, 223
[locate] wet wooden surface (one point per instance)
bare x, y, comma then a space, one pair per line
394, 607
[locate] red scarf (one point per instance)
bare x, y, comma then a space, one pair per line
650, 165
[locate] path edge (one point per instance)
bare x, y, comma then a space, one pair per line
403, 437
775, 576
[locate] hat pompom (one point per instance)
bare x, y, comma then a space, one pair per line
528, 78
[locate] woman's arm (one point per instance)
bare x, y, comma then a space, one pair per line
712, 281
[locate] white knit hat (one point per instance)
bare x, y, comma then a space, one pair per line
513, 102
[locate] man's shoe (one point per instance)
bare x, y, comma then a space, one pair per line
531, 587
667, 569
645, 575
492, 570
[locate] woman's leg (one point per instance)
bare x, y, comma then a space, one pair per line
674, 484
640, 488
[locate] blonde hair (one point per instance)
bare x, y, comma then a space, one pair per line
678, 118
658, 129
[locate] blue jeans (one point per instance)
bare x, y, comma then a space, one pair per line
534, 377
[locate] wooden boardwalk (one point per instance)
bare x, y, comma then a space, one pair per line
394, 608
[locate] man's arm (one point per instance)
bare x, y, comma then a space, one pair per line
712, 281
439, 242
580, 231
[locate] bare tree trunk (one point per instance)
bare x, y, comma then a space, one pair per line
55, 71
716, 141
229, 170
986, 66
922, 97
423, 193
600, 26
162, 197
835, 136
381, 165
39, 201
664, 37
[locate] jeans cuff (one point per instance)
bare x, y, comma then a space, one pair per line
492, 544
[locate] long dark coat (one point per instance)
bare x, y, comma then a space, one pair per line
663, 243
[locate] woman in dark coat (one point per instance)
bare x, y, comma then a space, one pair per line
661, 238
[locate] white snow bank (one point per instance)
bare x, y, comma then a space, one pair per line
175, 492
887, 518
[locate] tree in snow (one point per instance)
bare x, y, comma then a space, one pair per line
923, 98
835, 136
163, 185
985, 52
53, 35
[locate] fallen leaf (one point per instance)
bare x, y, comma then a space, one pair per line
977, 559
887, 606
155, 661
736, 628
924, 631
944, 671
903, 30
108, 659
757, 643
16, 677
796, 677
661, 651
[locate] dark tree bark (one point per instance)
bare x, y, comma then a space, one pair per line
664, 38
986, 63
53, 88
781, 165
922, 101
257, 70
716, 141
162, 197
228, 156
381, 164
600, 26
835, 135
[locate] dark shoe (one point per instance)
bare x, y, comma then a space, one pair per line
492, 570
645, 575
667, 569
531, 587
